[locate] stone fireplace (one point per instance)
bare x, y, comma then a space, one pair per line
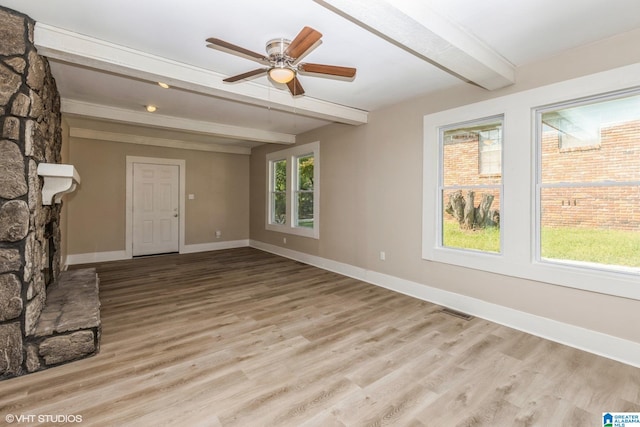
31, 134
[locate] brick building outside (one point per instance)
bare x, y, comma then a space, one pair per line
613, 156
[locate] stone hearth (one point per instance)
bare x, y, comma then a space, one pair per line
69, 325
30, 278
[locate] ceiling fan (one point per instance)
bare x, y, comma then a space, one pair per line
282, 60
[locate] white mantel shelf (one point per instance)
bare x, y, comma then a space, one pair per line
59, 179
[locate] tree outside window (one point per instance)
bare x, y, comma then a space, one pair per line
304, 191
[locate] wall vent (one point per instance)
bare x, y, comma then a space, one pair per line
452, 312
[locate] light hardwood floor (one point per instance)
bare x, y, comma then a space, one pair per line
245, 338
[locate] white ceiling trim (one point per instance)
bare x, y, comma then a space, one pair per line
75, 48
416, 27
70, 106
78, 132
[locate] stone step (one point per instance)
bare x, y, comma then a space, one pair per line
69, 325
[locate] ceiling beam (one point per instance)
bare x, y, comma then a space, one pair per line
84, 133
415, 27
79, 108
60, 44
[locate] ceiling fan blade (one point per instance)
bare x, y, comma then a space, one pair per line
295, 87
245, 75
332, 70
303, 41
236, 50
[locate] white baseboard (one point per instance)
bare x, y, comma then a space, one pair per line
608, 346
91, 257
120, 255
214, 246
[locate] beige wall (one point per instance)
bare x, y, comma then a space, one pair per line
96, 210
371, 199
64, 155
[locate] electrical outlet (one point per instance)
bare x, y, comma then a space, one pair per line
218, 234
383, 256
284, 240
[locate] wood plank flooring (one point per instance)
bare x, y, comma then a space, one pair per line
245, 338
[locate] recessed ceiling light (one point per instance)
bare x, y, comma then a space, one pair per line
163, 85
151, 108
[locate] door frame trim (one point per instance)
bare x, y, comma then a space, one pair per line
129, 198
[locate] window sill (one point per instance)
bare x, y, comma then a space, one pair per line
297, 231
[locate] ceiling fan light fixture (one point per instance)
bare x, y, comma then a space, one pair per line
281, 74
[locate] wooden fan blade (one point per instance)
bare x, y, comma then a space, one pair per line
245, 75
303, 41
295, 87
236, 50
332, 70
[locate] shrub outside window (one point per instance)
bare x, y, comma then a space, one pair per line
304, 191
278, 193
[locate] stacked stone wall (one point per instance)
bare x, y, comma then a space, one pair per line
30, 133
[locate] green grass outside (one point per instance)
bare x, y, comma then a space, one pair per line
487, 240
611, 247
305, 223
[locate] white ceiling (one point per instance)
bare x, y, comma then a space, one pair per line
171, 35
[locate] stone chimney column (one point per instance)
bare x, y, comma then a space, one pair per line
30, 133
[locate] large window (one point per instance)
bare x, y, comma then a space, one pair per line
293, 195
562, 163
589, 191
470, 184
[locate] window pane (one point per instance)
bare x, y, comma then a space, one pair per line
605, 142
590, 186
490, 149
305, 209
304, 193
279, 175
477, 228
305, 172
591, 224
471, 185
470, 152
279, 208
278, 214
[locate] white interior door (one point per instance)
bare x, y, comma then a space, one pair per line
155, 209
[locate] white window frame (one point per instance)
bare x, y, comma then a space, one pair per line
291, 155
518, 224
